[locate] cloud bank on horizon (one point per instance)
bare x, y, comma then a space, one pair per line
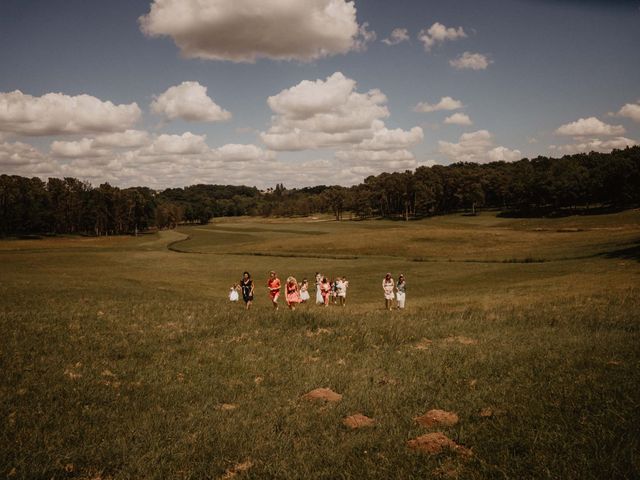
334, 126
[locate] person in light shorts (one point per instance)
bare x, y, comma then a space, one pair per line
388, 286
401, 288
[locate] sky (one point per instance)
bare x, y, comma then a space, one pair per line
169, 93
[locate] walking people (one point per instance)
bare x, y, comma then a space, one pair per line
246, 285
273, 284
292, 293
233, 293
388, 286
319, 297
325, 288
341, 286
401, 287
304, 290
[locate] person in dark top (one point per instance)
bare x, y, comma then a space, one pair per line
246, 284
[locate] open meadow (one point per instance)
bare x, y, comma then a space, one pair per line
122, 357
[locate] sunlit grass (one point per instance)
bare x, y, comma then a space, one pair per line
125, 360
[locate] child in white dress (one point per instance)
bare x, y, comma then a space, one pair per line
233, 293
304, 290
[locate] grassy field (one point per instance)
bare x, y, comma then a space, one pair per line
122, 358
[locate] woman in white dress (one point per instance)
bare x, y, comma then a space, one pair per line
401, 289
388, 286
319, 297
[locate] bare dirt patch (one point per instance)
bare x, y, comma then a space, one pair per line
461, 340
436, 418
358, 421
225, 407
320, 331
237, 469
435, 443
423, 344
323, 395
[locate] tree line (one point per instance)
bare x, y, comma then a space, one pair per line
529, 187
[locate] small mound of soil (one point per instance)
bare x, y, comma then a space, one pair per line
435, 443
320, 331
227, 406
486, 412
423, 344
322, 394
358, 421
437, 417
237, 469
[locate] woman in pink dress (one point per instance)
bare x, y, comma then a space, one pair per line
325, 290
293, 293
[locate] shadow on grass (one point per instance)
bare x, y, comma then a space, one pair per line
629, 253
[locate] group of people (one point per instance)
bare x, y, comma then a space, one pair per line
392, 289
295, 293
326, 291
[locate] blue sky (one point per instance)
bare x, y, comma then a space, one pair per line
175, 92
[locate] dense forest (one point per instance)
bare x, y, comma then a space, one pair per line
540, 186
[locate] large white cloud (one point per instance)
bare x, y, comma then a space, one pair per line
398, 35
631, 110
77, 149
189, 101
458, 119
395, 139
478, 147
324, 113
589, 127
594, 145
126, 139
445, 103
244, 30
185, 144
59, 114
471, 61
18, 154
438, 33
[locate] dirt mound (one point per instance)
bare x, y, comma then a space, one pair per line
435, 443
237, 469
358, 421
437, 417
461, 340
319, 331
322, 394
227, 406
423, 344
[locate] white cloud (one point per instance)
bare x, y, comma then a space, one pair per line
126, 139
242, 153
438, 34
471, 61
594, 145
398, 35
504, 154
478, 147
324, 114
385, 159
631, 110
589, 127
189, 101
59, 114
77, 149
445, 103
385, 139
185, 144
18, 154
458, 119
244, 30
